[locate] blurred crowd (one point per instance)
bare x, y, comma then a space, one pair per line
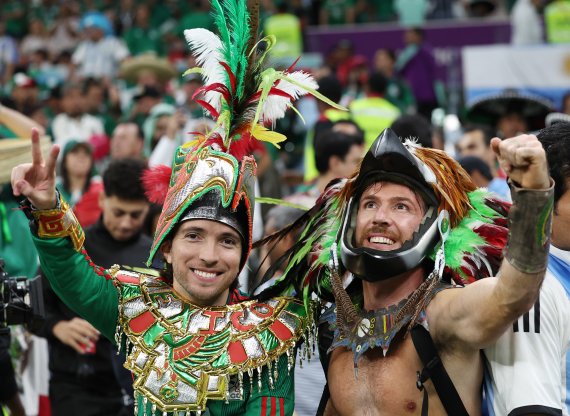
103, 79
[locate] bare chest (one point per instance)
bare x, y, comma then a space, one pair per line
383, 386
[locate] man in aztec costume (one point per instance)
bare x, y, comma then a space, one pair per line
391, 248
385, 246
194, 343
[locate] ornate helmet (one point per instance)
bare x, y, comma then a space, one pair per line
464, 228
212, 176
389, 160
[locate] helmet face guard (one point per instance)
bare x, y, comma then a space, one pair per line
388, 160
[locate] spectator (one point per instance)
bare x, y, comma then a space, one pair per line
526, 23
14, 14
8, 55
197, 17
330, 87
185, 100
142, 37
337, 153
337, 12
24, 93
64, 31
481, 8
286, 27
144, 100
416, 65
77, 183
476, 141
398, 92
127, 141
36, 39
73, 122
510, 112
478, 170
556, 15
84, 378
145, 71
14, 124
411, 12
99, 55
540, 339
157, 125
374, 112
414, 126
96, 104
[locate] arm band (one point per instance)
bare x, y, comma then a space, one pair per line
530, 224
59, 222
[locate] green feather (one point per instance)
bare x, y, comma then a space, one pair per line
277, 201
220, 21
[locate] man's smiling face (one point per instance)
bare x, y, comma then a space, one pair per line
205, 257
388, 215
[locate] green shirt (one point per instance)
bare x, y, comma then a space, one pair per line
140, 40
90, 291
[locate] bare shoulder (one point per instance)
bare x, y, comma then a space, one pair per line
450, 309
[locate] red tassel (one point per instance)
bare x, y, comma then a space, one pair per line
155, 182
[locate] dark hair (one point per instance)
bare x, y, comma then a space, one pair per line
66, 88
123, 179
418, 31
63, 167
139, 133
377, 83
91, 82
413, 126
556, 142
330, 87
488, 132
474, 163
331, 143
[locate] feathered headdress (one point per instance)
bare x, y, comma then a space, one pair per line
472, 250
244, 98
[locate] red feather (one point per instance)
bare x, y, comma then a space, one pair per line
230, 75
155, 182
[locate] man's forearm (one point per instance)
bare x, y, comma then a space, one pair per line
526, 254
20, 124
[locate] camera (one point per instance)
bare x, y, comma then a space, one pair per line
21, 300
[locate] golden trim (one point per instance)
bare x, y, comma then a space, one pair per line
59, 223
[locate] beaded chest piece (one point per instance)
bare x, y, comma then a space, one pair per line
182, 355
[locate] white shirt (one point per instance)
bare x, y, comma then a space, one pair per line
100, 59
530, 363
67, 128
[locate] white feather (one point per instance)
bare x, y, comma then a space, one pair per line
275, 106
207, 47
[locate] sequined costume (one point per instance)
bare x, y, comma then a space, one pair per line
223, 360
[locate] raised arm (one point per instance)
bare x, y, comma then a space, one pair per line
18, 122
478, 314
84, 287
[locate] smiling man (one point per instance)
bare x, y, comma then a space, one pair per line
194, 342
407, 236
411, 228
192, 338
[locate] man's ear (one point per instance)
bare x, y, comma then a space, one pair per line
101, 199
165, 249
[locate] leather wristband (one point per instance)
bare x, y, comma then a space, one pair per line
530, 226
59, 222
